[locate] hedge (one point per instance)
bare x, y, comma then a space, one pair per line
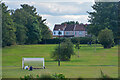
83, 40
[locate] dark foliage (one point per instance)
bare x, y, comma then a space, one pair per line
64, 52
105, 15
105, 37
23, 26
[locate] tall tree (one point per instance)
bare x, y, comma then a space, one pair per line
71, 22
46, 32
34, 31
20, 18
105, 15
23, 26
77, 46
8, 29
26, 18
21, 36
119, 20
30, 9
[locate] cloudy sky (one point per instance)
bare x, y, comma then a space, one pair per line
57, 11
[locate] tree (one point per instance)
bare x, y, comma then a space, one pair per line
45, 32
8, 29
34, 31
119, 22
105, 37
105, 15
0, 24
70, 22
30, 9
32, 25
77, 46
26, 20
94, 40
20, 17
23, 26
21, 36
66, 50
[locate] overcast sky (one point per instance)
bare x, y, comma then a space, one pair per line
57, 11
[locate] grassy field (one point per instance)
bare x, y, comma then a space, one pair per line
88, 65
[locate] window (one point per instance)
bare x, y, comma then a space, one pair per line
80, 33
75, 33
67, 32
54, 33
86, 33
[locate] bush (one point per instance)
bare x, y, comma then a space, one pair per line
45, 77
83, 40
62, 77
52, 41
105, 37
66, 50
58, 76
106, 77
27, 77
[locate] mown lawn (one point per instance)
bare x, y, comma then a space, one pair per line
88, 65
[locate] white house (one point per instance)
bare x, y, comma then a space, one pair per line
56, 29
70, 30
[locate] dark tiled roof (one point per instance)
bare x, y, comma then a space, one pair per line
80, 28
57, 27
69, 28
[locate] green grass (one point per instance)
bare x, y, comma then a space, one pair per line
88, 65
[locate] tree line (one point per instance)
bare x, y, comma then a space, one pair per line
104, 23
105, 15
23, 26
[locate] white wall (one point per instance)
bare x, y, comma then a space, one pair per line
56, 33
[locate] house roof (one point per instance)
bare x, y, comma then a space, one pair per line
58, 26
69, 27
80, 27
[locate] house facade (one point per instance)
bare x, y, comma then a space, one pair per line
58, 27
71, 30
80, 31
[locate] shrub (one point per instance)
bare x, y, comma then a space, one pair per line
83, 40
52, 41
105, 37
27, 77
106, 77
80, 78
65, 51
58, 76
45, 77
62, 77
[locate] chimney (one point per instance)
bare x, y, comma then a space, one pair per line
65, 26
